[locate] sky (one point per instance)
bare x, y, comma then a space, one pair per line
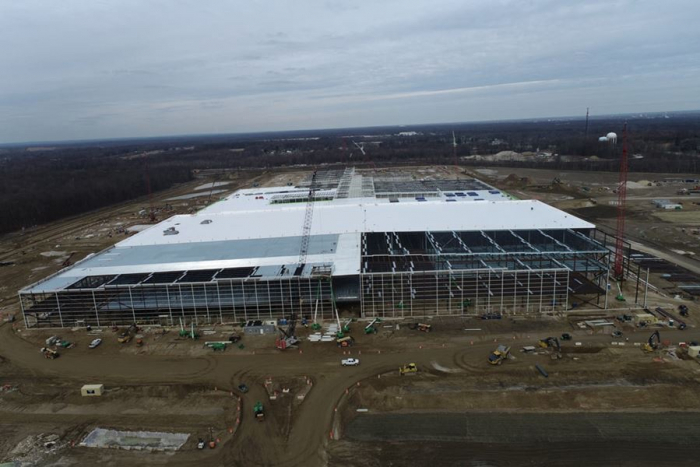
134, 68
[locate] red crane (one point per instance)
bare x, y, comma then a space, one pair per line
621, 200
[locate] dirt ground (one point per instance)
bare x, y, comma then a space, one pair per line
592, 196
605, 401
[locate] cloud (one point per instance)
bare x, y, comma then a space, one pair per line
134, 68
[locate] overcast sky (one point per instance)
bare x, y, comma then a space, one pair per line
99, 69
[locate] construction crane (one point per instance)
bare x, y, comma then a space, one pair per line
361, 147
308, 218
621, 201
288, 338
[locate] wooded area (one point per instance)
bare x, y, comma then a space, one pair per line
41, 185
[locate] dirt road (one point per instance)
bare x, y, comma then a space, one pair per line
255, 443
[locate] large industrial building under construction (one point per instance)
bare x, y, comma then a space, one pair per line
380, 248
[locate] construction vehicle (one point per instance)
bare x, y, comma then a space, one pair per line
124, 338
497, 356
212, 441
287, 338
48, 353
653, 343
370, 328
216, 346
191, 334
259, 411
553, 343
409, 369
549, 342
346, 341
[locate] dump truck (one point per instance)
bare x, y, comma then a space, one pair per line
497, 356
409, 369
259, 411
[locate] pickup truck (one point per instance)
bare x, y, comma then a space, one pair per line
350, 362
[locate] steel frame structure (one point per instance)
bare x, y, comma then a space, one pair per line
436, 273
221, 301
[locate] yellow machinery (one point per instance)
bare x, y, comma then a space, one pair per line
497, 356
408, 369
653, 342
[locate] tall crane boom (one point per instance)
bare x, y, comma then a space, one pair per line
621, 201
308, 218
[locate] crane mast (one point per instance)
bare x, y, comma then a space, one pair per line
621, 201
308, 218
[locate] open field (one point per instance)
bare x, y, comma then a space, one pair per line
605, 401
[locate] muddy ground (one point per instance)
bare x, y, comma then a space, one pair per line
458, 410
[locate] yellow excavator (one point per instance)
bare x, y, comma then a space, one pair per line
553, 343
653, 343
408, 369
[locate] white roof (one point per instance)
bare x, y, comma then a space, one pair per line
358, 215
239, 227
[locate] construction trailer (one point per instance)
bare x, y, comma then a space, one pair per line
390, 248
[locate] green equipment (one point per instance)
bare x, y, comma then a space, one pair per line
216, 345
620, 297
370, 329
259, 411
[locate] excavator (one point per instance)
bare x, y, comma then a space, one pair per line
409, 369
553, 343
653, 343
